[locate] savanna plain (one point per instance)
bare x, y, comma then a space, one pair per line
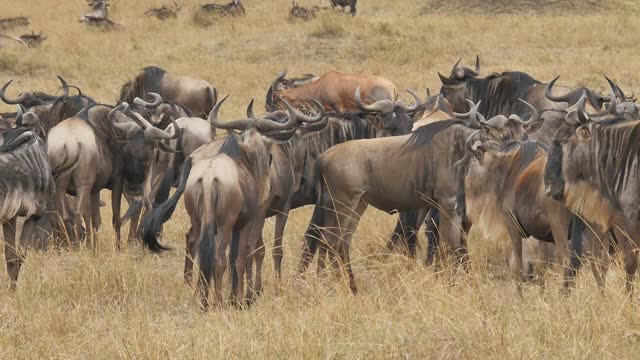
133, 304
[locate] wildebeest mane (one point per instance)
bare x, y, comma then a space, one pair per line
62, 109
231, 148
423, 136
499, 93
102, 126
148, 80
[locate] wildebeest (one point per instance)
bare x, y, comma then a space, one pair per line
344, 3
593, 170
355, 175
226, 185
98, 148
196, 95
302, 13
165, 11
26, 190
334, 90
234, 8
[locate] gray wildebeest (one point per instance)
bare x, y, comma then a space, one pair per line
226, 185
234, 9
593, 170
26, 190
99, 148
343, 5
196, 95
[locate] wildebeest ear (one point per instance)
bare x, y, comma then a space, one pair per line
583, 133
535, 126
478, 150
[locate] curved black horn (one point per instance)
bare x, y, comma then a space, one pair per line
548, 93
15, 101
157, 100
250, 114
65, 87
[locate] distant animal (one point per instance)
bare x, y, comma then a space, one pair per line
196, 95
302, 13
165, 11
344, 3
234, 8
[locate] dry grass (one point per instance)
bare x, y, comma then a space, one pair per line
134, 305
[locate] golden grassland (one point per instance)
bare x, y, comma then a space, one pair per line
133, 304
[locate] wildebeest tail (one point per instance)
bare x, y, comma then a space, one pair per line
323, 201
160, 214
62, 167
233, 256
207, 253
135, 207
577, 228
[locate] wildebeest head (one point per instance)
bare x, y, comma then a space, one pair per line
393, 117
159, 111
460, 74
31, 100
501, 128
571, 141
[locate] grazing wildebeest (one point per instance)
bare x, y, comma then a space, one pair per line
593, 170
98, 148
334, 90
165, 11
196, 95
26, 190
226, 185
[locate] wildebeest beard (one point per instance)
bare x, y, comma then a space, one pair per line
147, 80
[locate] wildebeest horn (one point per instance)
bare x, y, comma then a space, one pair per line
19, 111
447, 81
413, 107
474, 117
234, 124
308, 119
384, 106
616, 90
267, 124
153, 133
534, 114
157, 100
457, 73
583, 117
250, 114
477, 64
554, 98
15, 101
65, 87
428, 93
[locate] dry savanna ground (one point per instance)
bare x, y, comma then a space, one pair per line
134, 305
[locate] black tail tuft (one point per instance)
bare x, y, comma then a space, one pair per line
577, 227
233, 256
207, 253
134, 209
153, 221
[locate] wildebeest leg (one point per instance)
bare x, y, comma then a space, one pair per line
599, 242
345, 247
352, 5
258, 257
516, 241
629, 248
406, 232
62, 206
96, 219
116, 199
559, 223
431, 232
83, 213
239, 264
451, 233
135, 219
192, 237
11, 252
278, 252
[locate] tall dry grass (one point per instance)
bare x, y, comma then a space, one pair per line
134, 305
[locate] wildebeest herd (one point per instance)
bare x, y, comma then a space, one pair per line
516, 157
